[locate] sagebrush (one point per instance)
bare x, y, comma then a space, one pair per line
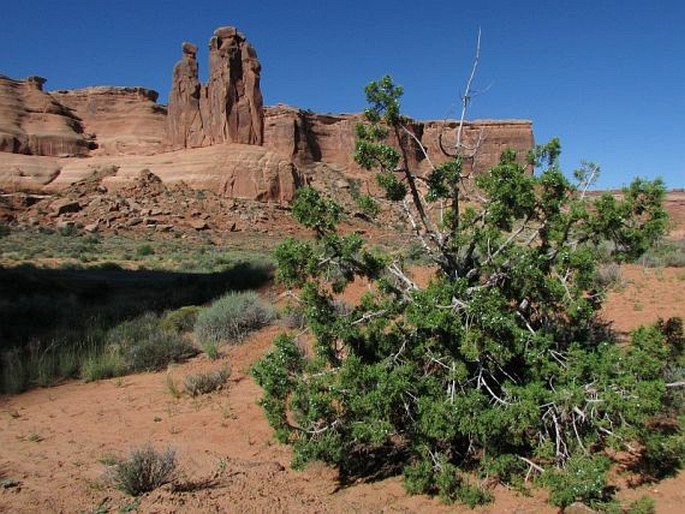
232, 317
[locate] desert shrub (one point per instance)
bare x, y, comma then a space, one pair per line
105, 363
665, 254
211, 349
203, 383
182, 319
232, 317
293, 316
643, 505
608, 276
145, 345
500, 365
145, 250
145, 470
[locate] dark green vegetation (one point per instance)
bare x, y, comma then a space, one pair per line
499, 370
98, 319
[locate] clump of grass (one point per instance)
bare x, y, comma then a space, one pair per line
181, 320
609, 276
211, 349
172, 387
204, 383
145, 470
146, 346
106, 363
145, 250
232, 317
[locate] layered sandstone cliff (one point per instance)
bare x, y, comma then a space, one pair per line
307, 137
229, 108
33, 122
118, 120
216, 136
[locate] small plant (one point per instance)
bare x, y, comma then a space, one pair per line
204, 383
609, 275
106, 363
211, 349
144, 250
145, 345
645, 505
232, 317
293, 317
145, 470
181, 320
171, 386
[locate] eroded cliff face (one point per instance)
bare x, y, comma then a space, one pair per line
118, 120
229, 108
32, 122
216, 136
308, 138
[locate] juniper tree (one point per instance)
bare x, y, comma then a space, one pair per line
500, 368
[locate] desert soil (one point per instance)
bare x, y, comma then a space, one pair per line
54, 442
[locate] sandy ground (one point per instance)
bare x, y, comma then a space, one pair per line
55, 441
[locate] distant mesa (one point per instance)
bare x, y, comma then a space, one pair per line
51, 139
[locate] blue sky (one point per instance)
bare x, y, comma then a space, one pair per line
607, 77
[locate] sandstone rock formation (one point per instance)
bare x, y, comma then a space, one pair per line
233, 170
118, 120
33, 122
308, 137
184, 121
229, 108
216, 136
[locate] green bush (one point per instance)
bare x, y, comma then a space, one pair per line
145, 470
203, 383
106, 363
232, 317
499, 366
181, 320
145, 345
145, 250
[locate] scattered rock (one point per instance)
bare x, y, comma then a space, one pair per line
579, 508
199, 225
65, 205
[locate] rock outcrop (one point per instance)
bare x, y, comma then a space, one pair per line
118, 120
217, 136
237, 171
308, 138
229, 108
33, 122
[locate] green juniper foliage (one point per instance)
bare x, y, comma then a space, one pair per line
499, 368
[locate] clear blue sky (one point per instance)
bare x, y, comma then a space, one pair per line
607, 77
